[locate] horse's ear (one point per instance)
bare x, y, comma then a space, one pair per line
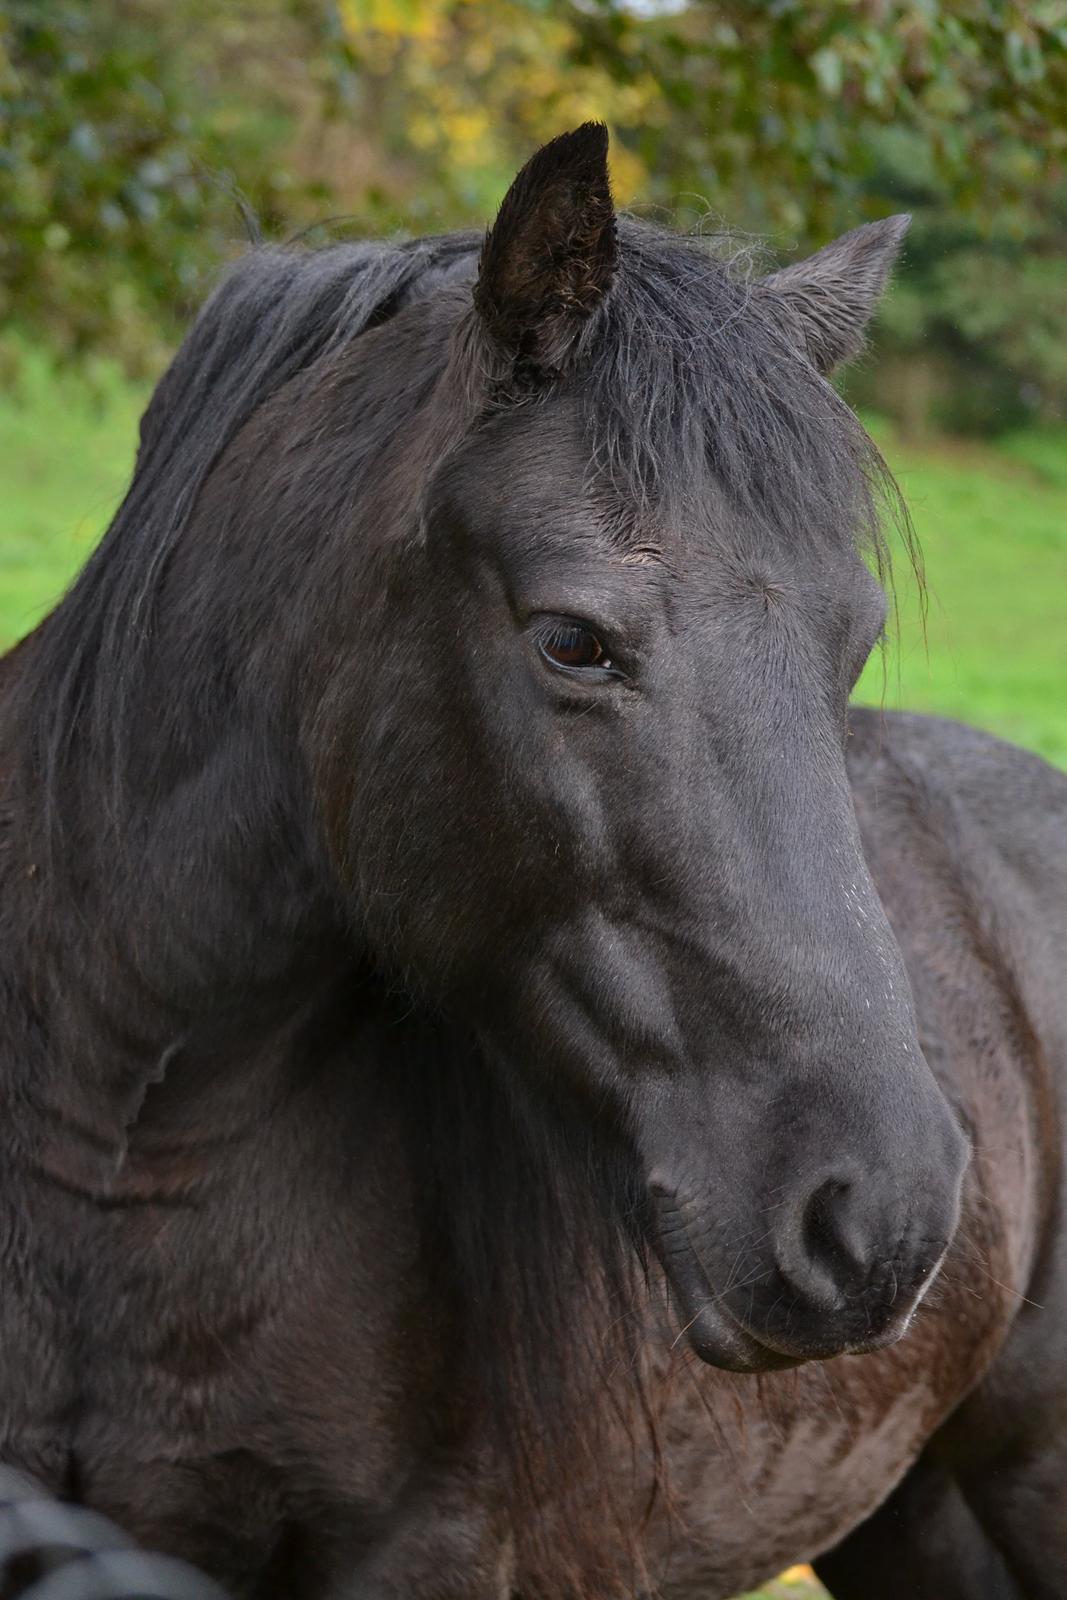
549, 258
827, 301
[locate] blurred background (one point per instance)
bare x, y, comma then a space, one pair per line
141, 141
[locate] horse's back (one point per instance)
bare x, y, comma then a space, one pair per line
1015, 797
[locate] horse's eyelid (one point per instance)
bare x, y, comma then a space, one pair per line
611, 670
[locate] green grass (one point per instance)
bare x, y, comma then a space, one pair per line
992, 522
67, 441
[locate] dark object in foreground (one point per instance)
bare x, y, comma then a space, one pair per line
51, 1551
440, 921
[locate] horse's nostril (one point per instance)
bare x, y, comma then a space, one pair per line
831, 1231
824, 1245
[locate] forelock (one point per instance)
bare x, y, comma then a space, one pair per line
689, 379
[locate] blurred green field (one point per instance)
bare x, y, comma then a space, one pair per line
67, 442
992, 522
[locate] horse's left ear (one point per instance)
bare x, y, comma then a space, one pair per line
827, 301
549, 258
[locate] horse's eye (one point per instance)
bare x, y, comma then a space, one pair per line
572, 645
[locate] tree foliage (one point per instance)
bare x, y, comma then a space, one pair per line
127, 128
782, 102
768, 110
974, 335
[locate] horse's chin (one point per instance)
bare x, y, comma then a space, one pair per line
720, 1339
711, 1331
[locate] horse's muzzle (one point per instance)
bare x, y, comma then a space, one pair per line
840, 1270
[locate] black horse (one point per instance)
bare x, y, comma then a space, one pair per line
450, 930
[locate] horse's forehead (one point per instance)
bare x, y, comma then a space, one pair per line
525, 469
534, 475
539, 444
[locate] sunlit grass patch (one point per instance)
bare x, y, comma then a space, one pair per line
67, 443
799, 1583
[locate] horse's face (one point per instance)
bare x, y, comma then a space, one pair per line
647, 879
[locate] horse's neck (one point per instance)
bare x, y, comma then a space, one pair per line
152, 958
96, 1094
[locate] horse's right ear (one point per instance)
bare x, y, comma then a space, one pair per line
549, 258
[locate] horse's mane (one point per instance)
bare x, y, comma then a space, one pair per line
532, 1230
274, 313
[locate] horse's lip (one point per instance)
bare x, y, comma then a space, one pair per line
712, 1332
720, 1340
888, 1336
